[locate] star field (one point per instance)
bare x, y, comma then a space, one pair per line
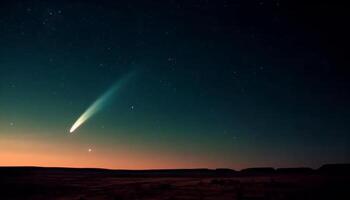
222, 84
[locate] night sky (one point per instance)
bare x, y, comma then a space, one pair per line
216, 84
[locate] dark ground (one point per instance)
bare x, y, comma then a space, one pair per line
328, 182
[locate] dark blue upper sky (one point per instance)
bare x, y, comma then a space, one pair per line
224, 83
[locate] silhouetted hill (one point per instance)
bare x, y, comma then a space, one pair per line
17, 183
335, 169
299, 170
200, 172
258, 171
18, 171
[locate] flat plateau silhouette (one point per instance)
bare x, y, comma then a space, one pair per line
330, 181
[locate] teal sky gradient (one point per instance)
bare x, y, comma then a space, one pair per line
217, 85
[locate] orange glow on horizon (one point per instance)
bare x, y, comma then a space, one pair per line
47, 153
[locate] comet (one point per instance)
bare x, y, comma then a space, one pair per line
101, 102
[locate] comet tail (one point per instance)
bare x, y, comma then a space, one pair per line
101, 101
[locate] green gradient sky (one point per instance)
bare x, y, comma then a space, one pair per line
216, 88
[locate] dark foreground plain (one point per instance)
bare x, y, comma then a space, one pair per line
327, 182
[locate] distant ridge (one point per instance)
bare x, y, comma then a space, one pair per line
198, 172
335, 168
301, 170
258, 170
